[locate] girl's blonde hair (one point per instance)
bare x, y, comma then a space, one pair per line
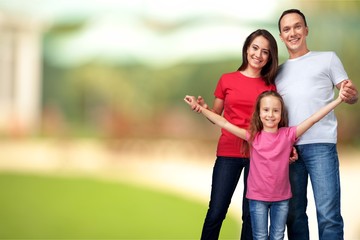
255, 123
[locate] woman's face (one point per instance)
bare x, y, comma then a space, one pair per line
258, 53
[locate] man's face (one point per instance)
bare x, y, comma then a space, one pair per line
293, 33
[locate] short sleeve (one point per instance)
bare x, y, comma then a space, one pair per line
219, 91
337, 71
292, 134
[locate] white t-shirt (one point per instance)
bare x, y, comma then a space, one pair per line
307, 83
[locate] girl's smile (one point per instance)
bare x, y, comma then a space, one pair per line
270, 113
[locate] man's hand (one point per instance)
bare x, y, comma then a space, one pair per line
293, 155
349, 93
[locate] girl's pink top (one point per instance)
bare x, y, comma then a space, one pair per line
268, 178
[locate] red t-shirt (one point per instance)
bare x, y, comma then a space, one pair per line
239, 94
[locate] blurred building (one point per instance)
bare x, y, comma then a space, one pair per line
20, 74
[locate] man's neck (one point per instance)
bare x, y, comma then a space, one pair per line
296, 54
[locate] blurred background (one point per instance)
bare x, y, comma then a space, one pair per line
94, 89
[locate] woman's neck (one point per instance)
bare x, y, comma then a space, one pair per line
250, 72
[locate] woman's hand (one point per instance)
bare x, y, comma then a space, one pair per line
200, 100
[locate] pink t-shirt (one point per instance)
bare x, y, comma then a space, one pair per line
268, 178
239, 93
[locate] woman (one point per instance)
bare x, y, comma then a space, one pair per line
235, 96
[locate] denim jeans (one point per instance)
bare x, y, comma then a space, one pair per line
226, 174
319, 161
259, 211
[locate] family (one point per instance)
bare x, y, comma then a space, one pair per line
278, 125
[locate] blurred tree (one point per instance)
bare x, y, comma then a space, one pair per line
102, 98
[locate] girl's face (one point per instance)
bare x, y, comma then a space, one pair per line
270, 113
258, 52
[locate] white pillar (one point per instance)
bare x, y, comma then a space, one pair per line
20, 75
6, 76
27, 88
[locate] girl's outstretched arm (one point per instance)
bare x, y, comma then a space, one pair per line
309, 122
215, 118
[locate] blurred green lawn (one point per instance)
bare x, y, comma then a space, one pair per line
48, 207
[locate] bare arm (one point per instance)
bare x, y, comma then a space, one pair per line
218, 105
309, 122
215, 118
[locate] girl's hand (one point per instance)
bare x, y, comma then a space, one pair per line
192, 101
342, 94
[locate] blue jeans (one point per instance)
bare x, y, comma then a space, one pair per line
226, 174
259, 211
319, 161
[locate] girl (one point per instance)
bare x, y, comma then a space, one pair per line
270, 142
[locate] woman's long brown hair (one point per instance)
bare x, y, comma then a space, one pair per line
268, 72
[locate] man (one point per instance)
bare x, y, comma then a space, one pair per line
306, 82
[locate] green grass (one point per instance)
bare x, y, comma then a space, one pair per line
44, 207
